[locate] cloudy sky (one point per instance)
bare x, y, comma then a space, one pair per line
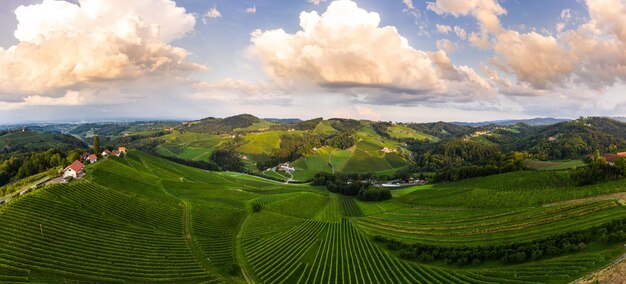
400, 60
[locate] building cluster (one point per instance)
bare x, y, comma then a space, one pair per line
286, 167
77, 168
610, 158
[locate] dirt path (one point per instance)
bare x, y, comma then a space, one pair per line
617, 196
614, 274
330, 161
187, 233
239, 250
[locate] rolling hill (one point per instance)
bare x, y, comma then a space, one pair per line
145, 219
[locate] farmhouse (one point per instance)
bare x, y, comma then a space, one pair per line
106, 153
115, 153
74, 170
122, 150
286, 167
92, 158
387, 150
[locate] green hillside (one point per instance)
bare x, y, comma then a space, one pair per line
37, 141
143, 219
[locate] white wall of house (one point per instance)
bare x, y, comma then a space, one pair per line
69, 173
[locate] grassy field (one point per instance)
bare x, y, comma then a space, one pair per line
517, 189
142, 219
552, 165
400, 131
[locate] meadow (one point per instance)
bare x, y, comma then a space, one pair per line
142, 219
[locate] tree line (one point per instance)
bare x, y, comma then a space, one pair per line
358, 185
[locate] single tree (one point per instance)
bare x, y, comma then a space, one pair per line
96, 145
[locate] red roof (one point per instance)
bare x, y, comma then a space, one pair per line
93, 157
107, 151
76, 166
122, 149
115, 153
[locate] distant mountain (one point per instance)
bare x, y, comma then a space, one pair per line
532, 121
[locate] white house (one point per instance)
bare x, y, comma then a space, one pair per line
106, 153
92, 158
74, 170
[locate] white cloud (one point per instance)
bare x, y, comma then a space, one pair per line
446, 45
460, 32
316, 2
346, 49
443, 29
566, 14
486, 11
64, 45
537, 59
251, 10
409, 4
213, 13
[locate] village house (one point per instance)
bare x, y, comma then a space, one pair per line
387, 150
106, 153
621, 154
243, 156
286, 167
83, 156
122, 150
74, 170
115, 153
92, 158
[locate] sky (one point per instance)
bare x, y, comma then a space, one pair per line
391, 60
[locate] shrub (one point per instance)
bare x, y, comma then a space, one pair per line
232, 268
256, 207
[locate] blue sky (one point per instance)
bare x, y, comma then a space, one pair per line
462, 60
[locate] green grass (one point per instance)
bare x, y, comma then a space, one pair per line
142, 219
400, 131
485, 227
552, 165
262, 143
322, 252
517, 189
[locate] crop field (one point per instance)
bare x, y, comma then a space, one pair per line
517, 189
552, 165
261, 143
401, 131
484, 227
142, 219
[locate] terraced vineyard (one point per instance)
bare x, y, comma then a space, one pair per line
475, 227
142, 219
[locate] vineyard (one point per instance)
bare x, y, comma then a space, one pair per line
476, 227
141, 219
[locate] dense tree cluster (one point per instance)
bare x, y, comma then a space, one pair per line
511, 253
343, 140
23, 165
291, 148
374, 194
351, 184
220, 126
599, 170
458, 159
227, 160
